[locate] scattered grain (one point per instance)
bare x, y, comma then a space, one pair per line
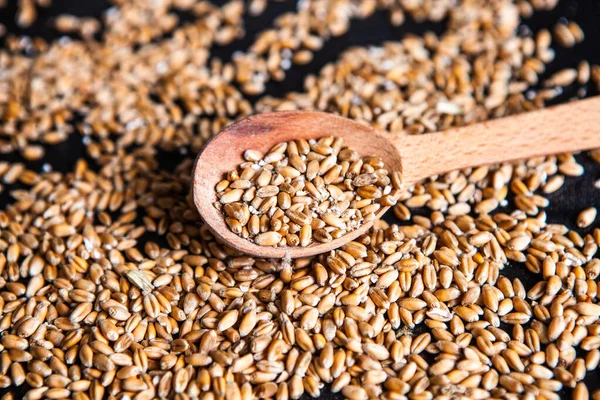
111, 287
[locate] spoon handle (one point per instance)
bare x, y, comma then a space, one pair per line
561, 129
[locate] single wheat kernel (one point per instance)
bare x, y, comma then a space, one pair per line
586, 217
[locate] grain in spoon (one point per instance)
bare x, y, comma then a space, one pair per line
560, 129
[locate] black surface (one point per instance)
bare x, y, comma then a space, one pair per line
577, 193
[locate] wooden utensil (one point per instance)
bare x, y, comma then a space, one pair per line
561, 129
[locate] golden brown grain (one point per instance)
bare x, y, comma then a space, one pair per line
112, 287
302, 192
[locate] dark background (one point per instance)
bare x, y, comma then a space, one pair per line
577, 193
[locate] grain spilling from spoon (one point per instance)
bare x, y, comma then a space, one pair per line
304, 191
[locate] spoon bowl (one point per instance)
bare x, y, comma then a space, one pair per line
560, 129
223, 153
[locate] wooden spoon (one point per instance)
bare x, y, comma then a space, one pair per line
561, 129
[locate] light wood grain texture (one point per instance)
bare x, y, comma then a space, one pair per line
565, 128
